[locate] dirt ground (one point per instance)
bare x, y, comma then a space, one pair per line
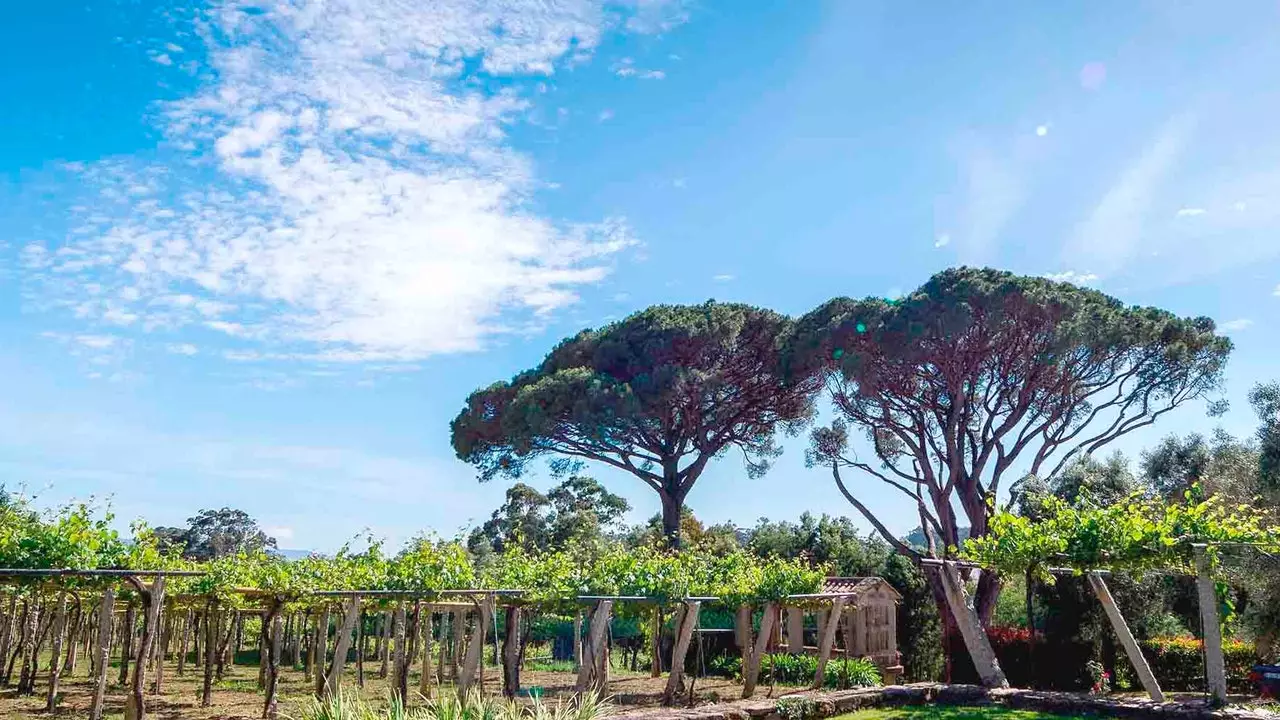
237, 696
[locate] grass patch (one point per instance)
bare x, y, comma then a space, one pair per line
951, 712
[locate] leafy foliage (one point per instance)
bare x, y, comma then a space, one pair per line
1137, 533
657, 395
212, 534
979, 369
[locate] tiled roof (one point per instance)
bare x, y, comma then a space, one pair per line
858, 585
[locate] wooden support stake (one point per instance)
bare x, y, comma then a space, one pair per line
103, 657
55, 664
1121, 628
1215, 667
594, 671
655, 667
795, 630
975, 637
333, 678
475, 648
427, 628
751, 671
688, 620
826, 639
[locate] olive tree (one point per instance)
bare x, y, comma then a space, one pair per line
980, 375
657, 395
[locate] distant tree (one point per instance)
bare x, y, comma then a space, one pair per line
577, 510
581, 510
821, 540
980, 373
1221, 465
657, 395
723, 537
213, 534
1100, 482
1265, 399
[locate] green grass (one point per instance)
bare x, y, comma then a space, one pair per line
948, 712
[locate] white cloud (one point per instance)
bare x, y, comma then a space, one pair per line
162, 59
1236, 325
652, 75
280, 533
182, 349
723, 277
943, 240
1191, 212
1112, 233
1042, 130
605, 114
97, 342
361, 201
1071, 276
1276, 292
678, 183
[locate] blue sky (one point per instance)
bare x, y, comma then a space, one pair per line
257, 253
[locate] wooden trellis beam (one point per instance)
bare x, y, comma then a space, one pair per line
1121, 629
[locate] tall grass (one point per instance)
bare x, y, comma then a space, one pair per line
351, 706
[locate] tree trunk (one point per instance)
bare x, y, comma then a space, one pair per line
511, 652
274, 647
185, 643
152, 598
426, 627
655, 667
458, 624
210, 642
400, 678
360, 641
126, 642
672, 504
322, 648
224, 646
388, 628
6, 633
103, 655
55, 663
986, 597
30, 651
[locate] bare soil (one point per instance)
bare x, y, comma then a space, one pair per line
237, 696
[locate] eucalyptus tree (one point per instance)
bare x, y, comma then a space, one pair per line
657, 395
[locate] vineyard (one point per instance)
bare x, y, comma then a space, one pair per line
74, 593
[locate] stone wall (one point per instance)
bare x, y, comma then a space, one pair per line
817, 705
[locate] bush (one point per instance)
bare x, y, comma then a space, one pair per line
799, 670
1178, 663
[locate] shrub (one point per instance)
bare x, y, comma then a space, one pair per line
1178, 663
799, 670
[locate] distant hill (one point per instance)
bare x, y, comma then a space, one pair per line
916, 537
294, 554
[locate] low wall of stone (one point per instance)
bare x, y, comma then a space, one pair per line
818, 705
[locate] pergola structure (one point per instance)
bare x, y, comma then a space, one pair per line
865, 605
988, 666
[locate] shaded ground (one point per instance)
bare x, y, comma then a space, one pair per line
938, 712
237, 696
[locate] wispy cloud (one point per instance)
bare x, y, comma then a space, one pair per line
723, 277
604, 115
341, 189
1111, 234
1236, 325
182, 349
943, 240
1191, 212
1276, 292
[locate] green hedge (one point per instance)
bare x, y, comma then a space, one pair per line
799, 670
1178, 663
